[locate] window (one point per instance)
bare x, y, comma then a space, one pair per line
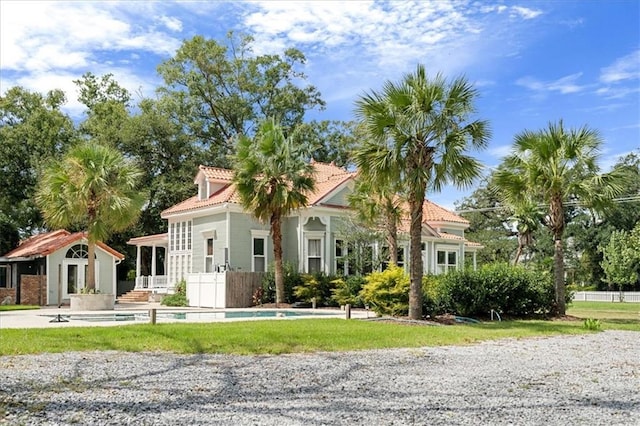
447, 260
314, 255
340, 254
79, 251
208, 256
385, 257
180, 251
259, 255
5, 270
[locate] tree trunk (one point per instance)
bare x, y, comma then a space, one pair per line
416, 199
276, 234
91, 266
558, 274
518, 253
392, 238
557, 227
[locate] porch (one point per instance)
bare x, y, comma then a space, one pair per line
151, 252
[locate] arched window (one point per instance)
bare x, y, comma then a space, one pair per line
79, 251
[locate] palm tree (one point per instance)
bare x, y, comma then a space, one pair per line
273, 178
527, 217
417, 136
558, 166
94, 187
378, 207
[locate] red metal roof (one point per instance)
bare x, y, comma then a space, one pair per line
43, 244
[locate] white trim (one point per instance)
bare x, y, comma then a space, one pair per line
314, 235
257, 234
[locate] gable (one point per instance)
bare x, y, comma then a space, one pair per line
339, 197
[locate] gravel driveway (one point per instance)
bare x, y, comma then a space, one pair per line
568, 380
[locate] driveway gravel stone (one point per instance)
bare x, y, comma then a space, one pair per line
589, 379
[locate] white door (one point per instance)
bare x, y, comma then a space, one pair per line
74, 273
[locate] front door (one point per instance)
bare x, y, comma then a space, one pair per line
74, 273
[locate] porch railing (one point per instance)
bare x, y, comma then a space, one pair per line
157, 283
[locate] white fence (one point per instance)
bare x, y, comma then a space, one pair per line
607, 296
156, 283
207, 290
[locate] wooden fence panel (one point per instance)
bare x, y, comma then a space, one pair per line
240, 288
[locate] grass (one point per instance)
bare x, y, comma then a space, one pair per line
619, 316
303, 335
17, 307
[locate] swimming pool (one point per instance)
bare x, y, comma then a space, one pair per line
175, 316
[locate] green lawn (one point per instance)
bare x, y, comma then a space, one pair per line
304, 335
613, 315
17, 307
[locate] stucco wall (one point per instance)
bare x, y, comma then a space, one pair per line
210, 226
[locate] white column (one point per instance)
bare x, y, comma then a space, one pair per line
327, 246
138, 268
300, 245
475, 266
153, 260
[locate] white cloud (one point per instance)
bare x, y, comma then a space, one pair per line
524, 12
48, 35
448, 35
564, 85
625, 68
174, 24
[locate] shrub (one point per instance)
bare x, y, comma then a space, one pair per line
292, 279
346, 290
510, 290
387, 292
309, 290
179, 298
435, 300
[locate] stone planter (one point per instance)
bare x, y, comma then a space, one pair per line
91, 302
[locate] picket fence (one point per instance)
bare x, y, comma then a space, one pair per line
607, 296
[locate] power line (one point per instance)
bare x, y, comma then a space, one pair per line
629, 199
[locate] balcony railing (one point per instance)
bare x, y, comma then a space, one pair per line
157, 283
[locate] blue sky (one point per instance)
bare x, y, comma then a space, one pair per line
532, 61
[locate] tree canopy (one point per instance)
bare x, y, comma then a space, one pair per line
418, 132
93, 187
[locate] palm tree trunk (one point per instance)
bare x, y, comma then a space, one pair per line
392, 238
91, 266
518, 253
415, 250
557, 225
558, 274
276, 233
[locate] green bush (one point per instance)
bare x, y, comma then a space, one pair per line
346, 290
510, 290
179, 298
309, 290
387, 292
292, 278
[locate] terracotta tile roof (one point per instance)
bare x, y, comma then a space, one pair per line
432, 212
43, 244
216, 174
328, 177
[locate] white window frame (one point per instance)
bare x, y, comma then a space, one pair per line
344, 256
209, 257
443, 268
264, 236
314, 236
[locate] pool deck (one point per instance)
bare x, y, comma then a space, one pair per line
42, 318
